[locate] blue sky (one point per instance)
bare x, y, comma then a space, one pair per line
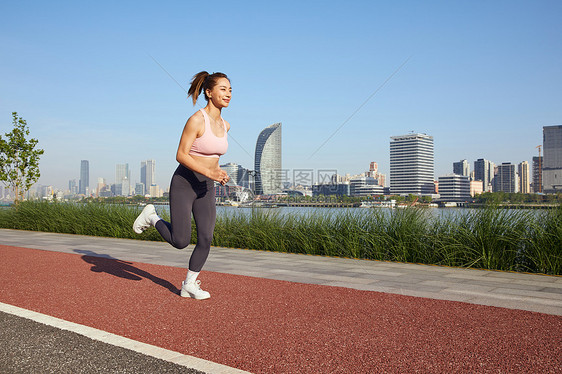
481, 77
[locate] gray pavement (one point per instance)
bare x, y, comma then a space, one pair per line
531, 292
38, 348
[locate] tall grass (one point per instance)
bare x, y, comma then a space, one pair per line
543, 249
106, 220
491, 238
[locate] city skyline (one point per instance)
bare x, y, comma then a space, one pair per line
105, 82
358, 169
483, 169
412, 154
410, 147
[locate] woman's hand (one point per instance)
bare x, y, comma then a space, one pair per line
219, 175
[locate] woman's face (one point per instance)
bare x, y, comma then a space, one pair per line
221, 93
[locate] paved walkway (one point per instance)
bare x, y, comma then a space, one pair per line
531, 292
526, 292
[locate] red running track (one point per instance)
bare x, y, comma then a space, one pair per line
270, 326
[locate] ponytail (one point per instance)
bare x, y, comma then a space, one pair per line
202, 82
197, 86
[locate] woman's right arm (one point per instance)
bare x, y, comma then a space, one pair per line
194, 127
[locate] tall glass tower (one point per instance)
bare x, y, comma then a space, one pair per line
268, 161
148, 168
552, 160
122, 179
537, 174
524, 177
411, 164
461, 168
84, 183
484, 171
506, 178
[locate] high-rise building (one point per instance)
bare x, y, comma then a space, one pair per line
537, 174
139, 189
524, 177
374, 173
246, 178
268, 166
100, 186
123, 178
454, 187
506, 178
411, 164
45, 192
155, 191
484, 171
461, 168
72, 187
147, 172
84, 183
552, 165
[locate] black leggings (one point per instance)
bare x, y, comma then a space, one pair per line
190, 192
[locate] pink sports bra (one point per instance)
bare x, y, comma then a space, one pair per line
208, 144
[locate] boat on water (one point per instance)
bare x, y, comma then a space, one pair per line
231, 203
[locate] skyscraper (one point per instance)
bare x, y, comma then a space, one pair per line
524, 177
84, 183
484, 171
100, 186
122, 179
506, 178
461, 168
411, 164
267, 161
537, 174
139, 189
552, 165
147, 172
72, 187
374, 172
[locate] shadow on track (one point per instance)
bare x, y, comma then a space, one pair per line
122, 269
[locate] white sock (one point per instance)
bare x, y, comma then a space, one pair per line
191, 276
153, 219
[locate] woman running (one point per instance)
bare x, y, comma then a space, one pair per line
203, 141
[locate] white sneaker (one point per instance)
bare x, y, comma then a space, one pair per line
193, 289
143, 220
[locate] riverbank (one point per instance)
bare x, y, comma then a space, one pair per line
490, 238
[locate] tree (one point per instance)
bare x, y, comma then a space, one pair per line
19, 160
